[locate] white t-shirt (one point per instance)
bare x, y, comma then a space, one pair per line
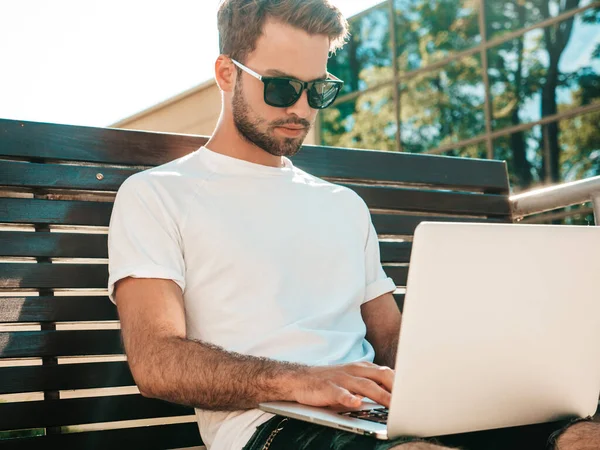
272, 262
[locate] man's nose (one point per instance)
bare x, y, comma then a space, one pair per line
301, 108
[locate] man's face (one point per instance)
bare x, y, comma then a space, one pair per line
281, 50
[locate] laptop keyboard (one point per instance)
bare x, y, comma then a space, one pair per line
378, 415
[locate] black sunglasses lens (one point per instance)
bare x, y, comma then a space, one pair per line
323, 94
282, 92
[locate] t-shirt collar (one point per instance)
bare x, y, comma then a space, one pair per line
221, 163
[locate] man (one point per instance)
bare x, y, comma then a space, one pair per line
240, 278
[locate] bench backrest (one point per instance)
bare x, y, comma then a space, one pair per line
63, 376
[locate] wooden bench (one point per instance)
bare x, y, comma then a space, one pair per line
63, 377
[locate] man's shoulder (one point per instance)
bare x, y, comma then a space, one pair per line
174, 173
339, 193
179, 169
174, 181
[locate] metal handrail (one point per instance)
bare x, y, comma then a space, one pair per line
556, 197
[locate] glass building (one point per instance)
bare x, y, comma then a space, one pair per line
517, 80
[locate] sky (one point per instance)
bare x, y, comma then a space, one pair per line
95, 62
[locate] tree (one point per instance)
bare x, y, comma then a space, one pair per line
579, 143
510, 16
556, 39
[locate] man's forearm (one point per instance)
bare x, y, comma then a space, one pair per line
385, 353
382, 319
207, 377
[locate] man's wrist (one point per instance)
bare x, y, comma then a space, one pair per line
290, 381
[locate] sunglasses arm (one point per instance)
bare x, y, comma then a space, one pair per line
247, 70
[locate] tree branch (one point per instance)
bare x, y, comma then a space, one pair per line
545, 10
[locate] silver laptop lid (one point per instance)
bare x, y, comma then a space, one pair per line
501, 327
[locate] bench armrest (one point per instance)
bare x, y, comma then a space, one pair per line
559, 196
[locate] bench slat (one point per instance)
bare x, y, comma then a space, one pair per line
79, 411
399, 300
56, 309
397, 273
77, 245
113, 146
84, 276
395, 252
487, 175
60, 176
55, 212
58, 276
404, 225
63, 377
53, 245
440, 202
64, 309
50, 141
37, 211
158, 437
31, 344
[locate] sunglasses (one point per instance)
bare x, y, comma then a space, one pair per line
282, 92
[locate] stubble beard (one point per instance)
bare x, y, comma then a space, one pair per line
250, 128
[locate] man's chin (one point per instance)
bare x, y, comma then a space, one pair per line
288, 146
285, 150
293, 146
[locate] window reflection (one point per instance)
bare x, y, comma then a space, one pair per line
428, 31
536, 76
367, 51
444, 106
505, 16
367, 122
578, 157
543, 73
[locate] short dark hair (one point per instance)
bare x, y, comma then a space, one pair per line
241, 22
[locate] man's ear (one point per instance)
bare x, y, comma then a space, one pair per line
225, 73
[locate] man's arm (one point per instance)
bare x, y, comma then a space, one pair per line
167, 365
382, 318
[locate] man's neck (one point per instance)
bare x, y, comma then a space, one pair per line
227, 141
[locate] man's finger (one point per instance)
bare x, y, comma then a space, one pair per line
346, 398
379, 374
368, 388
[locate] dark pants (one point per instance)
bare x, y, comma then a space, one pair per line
298, 435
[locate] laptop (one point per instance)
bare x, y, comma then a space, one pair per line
500, 328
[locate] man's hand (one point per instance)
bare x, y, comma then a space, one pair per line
344, 385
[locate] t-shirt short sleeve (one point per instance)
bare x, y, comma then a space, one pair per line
143, 237
377, 282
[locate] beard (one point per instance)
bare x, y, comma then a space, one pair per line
250, 128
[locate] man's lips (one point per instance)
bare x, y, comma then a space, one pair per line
292, 127
291, 132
